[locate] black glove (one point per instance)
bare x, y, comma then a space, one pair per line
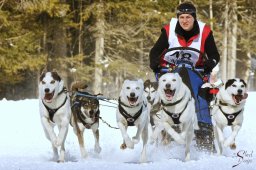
208, 66
157, 70
205, 93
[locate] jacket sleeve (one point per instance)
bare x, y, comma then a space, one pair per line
211, 49
155, 53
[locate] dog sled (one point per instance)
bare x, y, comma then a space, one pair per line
194, 78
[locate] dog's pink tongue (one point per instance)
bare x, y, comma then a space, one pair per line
169, 96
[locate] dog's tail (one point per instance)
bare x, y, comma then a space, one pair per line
78, 85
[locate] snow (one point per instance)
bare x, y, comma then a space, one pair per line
23, 145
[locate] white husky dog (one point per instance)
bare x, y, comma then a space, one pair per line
133, 111
228, 111
178, 109
54, 106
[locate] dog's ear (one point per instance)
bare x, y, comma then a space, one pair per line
146, 82
229, 83
243, 82
78, 85
155, 85
44, 70
56, 76
42, 76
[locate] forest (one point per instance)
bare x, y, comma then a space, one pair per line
104, 42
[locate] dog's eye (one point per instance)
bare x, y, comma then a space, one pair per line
242, 86
233, 85
53, 81
127, 87
173, 79
164, 80
43, 82
137, 88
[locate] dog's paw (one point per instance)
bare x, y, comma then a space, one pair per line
60, 161
233, 146
187, 157
129, 143
166, 141
97, 149
135, 140
84, 154
123, 146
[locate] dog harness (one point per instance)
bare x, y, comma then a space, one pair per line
130, 119
53, 111
230, 117
175, 116
81, 117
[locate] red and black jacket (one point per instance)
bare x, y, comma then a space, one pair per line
185, 39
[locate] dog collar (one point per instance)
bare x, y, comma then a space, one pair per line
171, 104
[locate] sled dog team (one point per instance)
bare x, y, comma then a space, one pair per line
149, 106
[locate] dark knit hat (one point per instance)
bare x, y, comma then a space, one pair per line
186, 8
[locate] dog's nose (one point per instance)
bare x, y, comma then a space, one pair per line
132, 94
168, 86
148, 97
239, 91
91, 112
46, 90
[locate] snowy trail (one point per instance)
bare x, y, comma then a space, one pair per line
23, 145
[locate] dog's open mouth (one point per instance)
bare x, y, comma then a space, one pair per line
132, 100
48, 96
169, 94
238, 98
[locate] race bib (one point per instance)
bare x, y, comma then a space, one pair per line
181, 57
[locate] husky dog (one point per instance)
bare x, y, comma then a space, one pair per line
150, 91
133, 111
85, 115
54, 106
178, 109
228, 111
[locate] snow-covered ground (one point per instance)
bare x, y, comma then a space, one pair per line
23, 145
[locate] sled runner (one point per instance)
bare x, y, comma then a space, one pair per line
194, 78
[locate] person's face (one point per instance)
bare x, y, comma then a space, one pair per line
186, 21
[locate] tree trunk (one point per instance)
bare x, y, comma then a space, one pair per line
99, 49
225, 45
211, 14
233, 38
80, 51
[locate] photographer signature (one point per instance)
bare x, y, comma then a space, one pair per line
243, 157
